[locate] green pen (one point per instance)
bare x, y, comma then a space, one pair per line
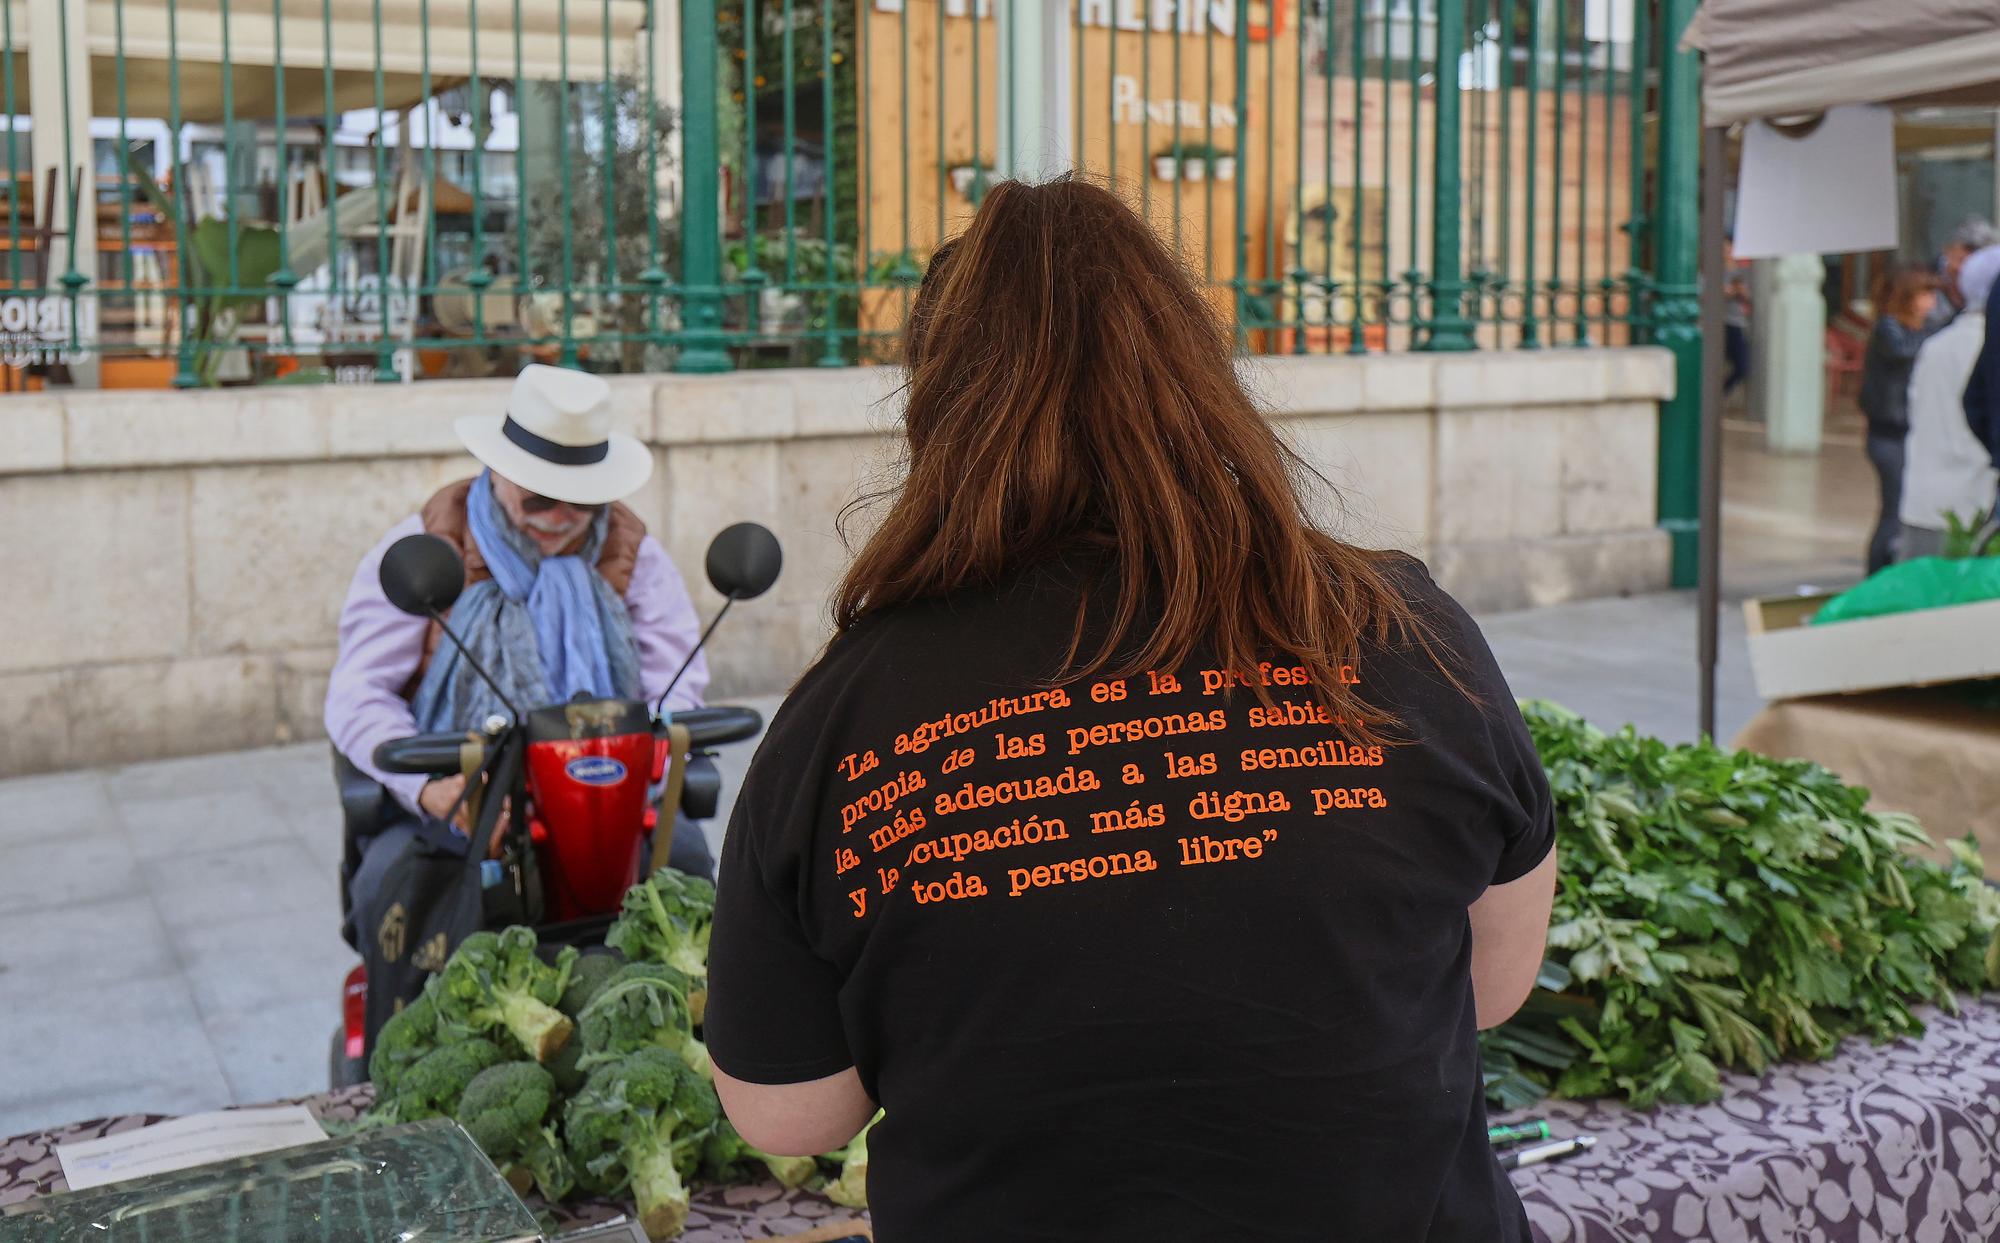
1524, 1133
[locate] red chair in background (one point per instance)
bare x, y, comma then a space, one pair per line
1845, 348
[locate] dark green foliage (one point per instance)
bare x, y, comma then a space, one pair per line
666, 919
643, 1004
431, 1088
1720, 909
585, 979
640, 1122
495, 984
409, 1034
508, 1110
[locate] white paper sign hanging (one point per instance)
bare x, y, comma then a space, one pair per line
1818, 188
1607, 21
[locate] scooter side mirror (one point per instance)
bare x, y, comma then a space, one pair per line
744, 560
422, 574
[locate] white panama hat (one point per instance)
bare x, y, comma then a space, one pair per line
556, 439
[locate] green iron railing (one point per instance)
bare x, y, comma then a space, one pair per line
279, 191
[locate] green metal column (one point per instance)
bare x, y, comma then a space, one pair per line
1677, 303
1450, 330
701, 213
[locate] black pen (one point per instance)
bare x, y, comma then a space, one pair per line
1545, 1152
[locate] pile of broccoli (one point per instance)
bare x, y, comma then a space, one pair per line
586, 1073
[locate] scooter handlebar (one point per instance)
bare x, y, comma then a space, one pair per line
422, 754
712, 727
438, 755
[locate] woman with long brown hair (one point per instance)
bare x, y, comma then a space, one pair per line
1904, 300
1149, 856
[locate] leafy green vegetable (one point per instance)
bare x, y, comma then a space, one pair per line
409, 1034
727, 1157
585, 979
1720, 909
643, 1004
850, 1190
506, 1109
432, 1087
666, 919
495, 984
640, 1122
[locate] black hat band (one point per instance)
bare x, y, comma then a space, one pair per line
549, 451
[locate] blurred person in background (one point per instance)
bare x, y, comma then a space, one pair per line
1904, 300
1970, 237
1946, 469
1736, 318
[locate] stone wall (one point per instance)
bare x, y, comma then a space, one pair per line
173, 563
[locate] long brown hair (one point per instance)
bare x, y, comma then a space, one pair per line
1896, 294
1067, 381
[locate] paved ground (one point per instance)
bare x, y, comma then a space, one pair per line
168, 932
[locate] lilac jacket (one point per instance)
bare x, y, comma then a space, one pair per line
381, 646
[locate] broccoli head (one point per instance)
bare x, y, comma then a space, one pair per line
851, 1188
643, 1004
495, 983
506, 1109
566, 1066
666, 919
585, 979
409, 1034
727, 1157
431, 1088
640, 1122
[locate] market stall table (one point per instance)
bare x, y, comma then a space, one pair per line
28, 1168
1879, 1145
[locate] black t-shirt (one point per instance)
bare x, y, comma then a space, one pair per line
1140, 959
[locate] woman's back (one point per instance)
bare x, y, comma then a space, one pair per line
1137, 958
1142, 850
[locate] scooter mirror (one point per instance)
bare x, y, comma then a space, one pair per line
422, 574
744, 560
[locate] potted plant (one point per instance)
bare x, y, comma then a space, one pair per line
1168, 163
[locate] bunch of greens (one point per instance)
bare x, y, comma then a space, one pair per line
1724, 909
666, 919
588, 1073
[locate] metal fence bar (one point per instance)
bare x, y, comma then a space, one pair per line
187, 359
1582, 323
830, 180
1357, 324
1636, 225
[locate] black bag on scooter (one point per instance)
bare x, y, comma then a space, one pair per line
427, 900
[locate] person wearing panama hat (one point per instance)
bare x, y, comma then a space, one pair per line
565, 593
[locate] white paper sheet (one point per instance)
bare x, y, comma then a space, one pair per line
182, 1142
1829, 192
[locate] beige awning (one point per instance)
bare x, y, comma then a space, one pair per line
157, 36
1768, 58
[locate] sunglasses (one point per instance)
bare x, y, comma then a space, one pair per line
535, 503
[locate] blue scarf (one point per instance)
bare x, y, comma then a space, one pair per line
546, 628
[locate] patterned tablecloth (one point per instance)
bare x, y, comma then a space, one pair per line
28, 1168
1897, 1143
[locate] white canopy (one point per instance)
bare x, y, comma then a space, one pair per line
157, 33
1768, 58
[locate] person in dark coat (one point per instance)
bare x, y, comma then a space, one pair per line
1904, 302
